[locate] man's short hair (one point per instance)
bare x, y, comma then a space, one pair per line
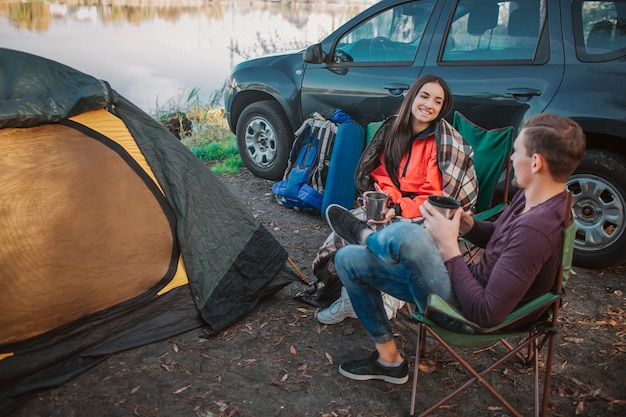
560, 141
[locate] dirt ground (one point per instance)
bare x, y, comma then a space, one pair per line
279, 361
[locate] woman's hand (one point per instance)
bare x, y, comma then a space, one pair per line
445, 232
388, 213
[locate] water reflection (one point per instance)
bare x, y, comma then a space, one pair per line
155, 53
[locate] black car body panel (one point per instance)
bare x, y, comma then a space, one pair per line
505, 61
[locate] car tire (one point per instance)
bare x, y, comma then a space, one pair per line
264, 139
599, 201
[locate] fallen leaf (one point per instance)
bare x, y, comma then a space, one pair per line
330, 358
248, 362
284, 378
134, 390
175, 347
292, 349
427, 367
575, 339
179, 390
580, 408
579, 383
222, 405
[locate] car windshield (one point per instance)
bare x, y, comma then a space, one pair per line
390, 36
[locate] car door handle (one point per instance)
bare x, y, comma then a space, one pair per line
523, 94
396, 89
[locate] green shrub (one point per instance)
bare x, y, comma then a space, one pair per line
210, 139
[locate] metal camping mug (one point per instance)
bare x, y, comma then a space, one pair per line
374, 203
445, 205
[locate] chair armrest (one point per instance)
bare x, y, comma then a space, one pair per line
439, 305
492, 211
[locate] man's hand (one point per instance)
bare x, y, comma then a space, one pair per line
445, 232
467, 222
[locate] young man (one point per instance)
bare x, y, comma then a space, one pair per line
408, 261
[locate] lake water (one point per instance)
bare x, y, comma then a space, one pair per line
156, 53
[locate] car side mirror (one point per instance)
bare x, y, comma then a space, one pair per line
314, 54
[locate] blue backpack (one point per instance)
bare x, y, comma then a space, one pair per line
302, 186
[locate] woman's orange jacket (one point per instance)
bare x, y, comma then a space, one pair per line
418, 175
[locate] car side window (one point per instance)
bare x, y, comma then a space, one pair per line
494, 31
390, 36
600, 29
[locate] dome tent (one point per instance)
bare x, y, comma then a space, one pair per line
114, 234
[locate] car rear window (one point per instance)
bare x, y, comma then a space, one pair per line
600, 29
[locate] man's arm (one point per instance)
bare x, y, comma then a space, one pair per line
521, 257
478, 232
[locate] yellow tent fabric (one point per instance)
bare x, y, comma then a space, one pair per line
67, 243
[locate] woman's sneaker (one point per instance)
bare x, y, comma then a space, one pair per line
392, 305
342, 309
370, 368
337, 311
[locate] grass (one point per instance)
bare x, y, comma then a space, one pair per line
209, 138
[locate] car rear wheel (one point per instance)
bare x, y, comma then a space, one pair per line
598, 205
264, 138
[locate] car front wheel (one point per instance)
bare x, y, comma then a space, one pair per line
264, 138
598, 205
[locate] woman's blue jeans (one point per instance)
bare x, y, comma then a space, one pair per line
401, 260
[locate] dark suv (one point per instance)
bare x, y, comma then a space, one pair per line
505, 61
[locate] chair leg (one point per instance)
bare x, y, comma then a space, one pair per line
418, 351
524, 358
548, 375
536, 375
476, 376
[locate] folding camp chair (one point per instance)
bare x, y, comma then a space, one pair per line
532, 339
492, 151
